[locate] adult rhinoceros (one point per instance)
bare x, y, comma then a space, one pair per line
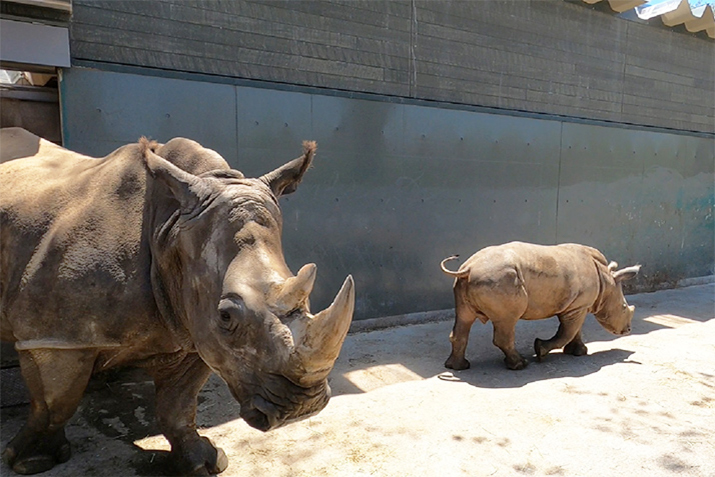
157, 256
506, 283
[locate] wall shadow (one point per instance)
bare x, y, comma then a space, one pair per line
694, 304
373, 360
425, 355
422, 349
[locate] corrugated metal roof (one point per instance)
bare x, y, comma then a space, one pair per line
695, 15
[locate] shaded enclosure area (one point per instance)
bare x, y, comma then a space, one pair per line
645, 401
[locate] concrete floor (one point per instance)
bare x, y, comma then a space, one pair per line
641, 405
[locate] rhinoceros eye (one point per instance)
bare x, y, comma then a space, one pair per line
230, 312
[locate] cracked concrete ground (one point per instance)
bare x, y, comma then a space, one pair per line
637, 405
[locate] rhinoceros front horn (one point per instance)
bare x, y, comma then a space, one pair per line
318, 339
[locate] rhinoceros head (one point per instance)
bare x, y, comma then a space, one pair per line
614, 313
221, 264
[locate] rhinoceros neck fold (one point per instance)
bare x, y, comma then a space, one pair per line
597, 306
167, 312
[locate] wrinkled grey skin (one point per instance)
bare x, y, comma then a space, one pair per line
522, 281
158, 256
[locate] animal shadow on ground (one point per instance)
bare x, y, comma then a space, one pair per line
491, 373
120, 405
372, 360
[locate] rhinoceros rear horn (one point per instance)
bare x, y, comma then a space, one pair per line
286, 178
296, 290
318, 338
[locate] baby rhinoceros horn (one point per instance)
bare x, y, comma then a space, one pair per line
318, 338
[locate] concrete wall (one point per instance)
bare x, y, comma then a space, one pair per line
399, 185
546, 56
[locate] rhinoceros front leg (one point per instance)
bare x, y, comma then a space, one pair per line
56, 380
568, 336
575, 347
177, 387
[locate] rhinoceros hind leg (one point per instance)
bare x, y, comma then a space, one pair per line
56, 380
177, 385
459, 337
504, 340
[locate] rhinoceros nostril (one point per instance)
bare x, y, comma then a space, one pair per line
260, 414
256, 419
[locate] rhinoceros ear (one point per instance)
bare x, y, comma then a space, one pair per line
626, 273
185, 187
286, 178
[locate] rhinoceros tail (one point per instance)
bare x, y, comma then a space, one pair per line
457, 274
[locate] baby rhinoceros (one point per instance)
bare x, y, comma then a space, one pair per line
506, 283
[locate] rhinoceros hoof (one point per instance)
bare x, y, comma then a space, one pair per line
516, 364
540, 350
456, 364
33, 461
576, 349
200, 457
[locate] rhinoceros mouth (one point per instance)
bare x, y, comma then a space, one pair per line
624, 332
264, 415
260, 414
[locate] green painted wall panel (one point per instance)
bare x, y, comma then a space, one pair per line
396, 187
